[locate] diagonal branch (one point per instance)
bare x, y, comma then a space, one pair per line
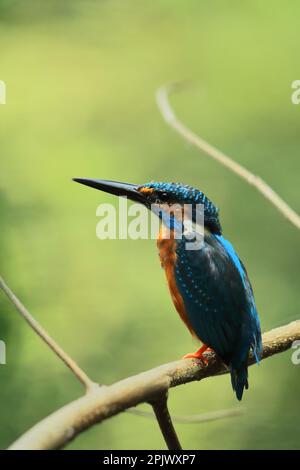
162, 97
63, 425
69, 362
161, 413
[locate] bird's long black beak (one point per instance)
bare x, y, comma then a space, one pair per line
114, 187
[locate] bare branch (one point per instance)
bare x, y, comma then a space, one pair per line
169, 116
194, 419
63, 425
160, 408
162, 412
77, 371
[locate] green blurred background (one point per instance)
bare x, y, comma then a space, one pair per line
81, 77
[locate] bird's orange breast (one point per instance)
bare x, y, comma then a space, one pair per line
167, 252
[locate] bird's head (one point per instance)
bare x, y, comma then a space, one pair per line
161, 197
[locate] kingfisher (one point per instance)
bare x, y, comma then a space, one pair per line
209, 284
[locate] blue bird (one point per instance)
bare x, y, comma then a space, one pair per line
209, 285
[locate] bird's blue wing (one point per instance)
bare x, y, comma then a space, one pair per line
257, 342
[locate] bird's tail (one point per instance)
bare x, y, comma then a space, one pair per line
239, 379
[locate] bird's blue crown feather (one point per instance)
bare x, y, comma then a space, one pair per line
185, 194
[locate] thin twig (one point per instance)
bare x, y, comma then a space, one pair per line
161, 411
105, 402
77, 371
162, 97
194, 419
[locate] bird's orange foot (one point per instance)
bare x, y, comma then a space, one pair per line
199, 354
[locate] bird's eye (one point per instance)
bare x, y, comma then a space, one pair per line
163, 196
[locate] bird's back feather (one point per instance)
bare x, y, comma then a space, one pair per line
219, 302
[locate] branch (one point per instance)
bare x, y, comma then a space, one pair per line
69, 362
194, 419
169, 116
63, 425
160, 408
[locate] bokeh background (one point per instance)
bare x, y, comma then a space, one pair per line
81, 77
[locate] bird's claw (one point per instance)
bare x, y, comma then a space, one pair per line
196, 356
199, 354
